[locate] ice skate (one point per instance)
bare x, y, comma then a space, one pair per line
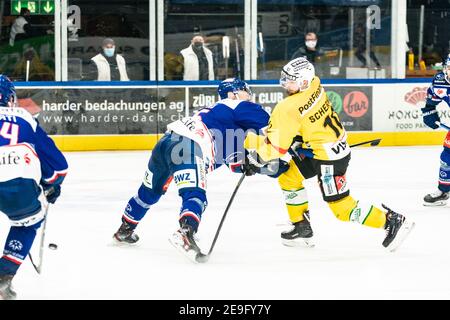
300, 235
125, 235
436, 199
6, 290
183, 240
397, 229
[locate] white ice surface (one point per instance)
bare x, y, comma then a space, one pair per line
248, 261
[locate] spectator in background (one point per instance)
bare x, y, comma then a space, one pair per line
197, 61
311, 51
21, 28
108, 65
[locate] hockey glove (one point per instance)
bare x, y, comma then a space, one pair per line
430, 116
251, 166
51, 192
275, 168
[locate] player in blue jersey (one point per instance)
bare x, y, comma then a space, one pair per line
439, 91
191, 148
29, 162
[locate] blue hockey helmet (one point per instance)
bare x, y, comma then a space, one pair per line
446, 67
7, 91
232, 85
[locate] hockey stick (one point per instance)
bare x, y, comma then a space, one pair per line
205, 257
298, 160
443, 126
373, 143
38, 267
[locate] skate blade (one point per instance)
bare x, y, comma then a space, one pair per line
122, 244
435, 204
404, 231
7, 296
191, 255
299, 242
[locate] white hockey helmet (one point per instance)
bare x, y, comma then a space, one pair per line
299, 70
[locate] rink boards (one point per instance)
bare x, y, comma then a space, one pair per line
132, 116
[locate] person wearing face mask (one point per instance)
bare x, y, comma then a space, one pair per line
108, 65
310, 50
198, 61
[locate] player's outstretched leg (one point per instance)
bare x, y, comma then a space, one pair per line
396, 226
301, 233
135, 210
397, 229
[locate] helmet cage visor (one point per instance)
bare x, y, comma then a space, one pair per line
286, 78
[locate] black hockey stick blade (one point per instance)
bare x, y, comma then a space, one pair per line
372, 143
202, 258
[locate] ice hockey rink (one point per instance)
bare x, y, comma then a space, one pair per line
248, 261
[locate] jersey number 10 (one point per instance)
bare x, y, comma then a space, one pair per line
10, 131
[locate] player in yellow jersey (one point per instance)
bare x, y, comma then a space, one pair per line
305, 125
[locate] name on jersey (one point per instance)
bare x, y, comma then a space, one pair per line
321, 112
312, 100
9, 118
9, 158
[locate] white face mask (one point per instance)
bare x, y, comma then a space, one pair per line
311, 43
109, 52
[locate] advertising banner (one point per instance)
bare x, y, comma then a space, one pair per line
398, 107
148, 110
353, 105
109, 111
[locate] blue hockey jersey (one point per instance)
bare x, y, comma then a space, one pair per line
231, 119
19, 128
220, 130
439, 90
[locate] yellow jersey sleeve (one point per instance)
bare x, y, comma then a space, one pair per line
283, 127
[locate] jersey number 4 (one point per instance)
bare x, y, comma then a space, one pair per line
333, 122
10, 131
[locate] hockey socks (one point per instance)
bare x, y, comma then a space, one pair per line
194, 204
138, 206
17, 247
348, 209
296, 203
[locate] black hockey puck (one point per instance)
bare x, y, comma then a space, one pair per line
53, 246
